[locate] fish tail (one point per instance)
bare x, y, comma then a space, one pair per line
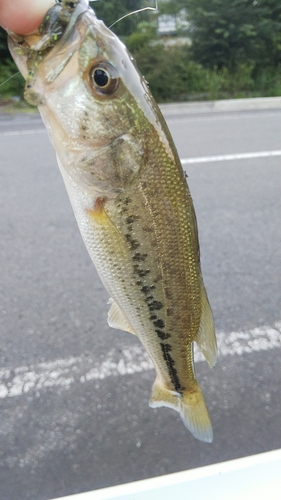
190, 405
195, 415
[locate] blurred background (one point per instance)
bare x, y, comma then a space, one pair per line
191, 49
74, 393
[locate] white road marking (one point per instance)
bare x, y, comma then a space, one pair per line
184, 161
81, 369
238, 156
180, 118
24, 132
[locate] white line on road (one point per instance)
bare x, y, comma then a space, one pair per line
81, 369
24, 132
176, 118
187, 117
184, 161
238, 156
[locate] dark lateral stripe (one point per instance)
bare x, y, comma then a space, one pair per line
166, 349
162, 335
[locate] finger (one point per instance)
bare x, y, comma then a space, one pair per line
23, 16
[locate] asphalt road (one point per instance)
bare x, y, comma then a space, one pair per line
74, 394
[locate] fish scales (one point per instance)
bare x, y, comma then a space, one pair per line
129, 196
122, 224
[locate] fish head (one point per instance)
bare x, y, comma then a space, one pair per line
95, 104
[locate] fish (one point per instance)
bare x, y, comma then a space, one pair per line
129, 195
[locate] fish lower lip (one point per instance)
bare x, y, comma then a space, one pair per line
34, 98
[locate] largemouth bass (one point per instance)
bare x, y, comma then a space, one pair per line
129, 195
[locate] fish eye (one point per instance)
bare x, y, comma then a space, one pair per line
103, 78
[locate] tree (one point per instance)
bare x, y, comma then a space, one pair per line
4, 51
226, 33
110, 12
271, 32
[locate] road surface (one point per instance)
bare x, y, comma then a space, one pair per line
73, 392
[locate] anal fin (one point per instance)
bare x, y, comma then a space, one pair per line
206, 336
117, 319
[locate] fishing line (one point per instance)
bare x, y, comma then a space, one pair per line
155, 9
10, 77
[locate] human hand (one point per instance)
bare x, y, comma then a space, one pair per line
23, 16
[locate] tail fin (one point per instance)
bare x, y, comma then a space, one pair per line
190, 405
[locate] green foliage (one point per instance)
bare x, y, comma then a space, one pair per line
111, 11
11, 81
267, 81
144, 33
174, 76
4, 51
171, 73
171, 7
226, 33
235, 51
271, 32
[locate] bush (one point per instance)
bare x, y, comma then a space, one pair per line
268, 81
170, 72
173, 76
11, 82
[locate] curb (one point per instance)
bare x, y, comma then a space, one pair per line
255, 103
249, 478
183, 108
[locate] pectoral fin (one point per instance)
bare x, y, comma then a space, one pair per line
117, 319
206, 337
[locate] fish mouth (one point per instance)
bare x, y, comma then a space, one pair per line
58, 37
